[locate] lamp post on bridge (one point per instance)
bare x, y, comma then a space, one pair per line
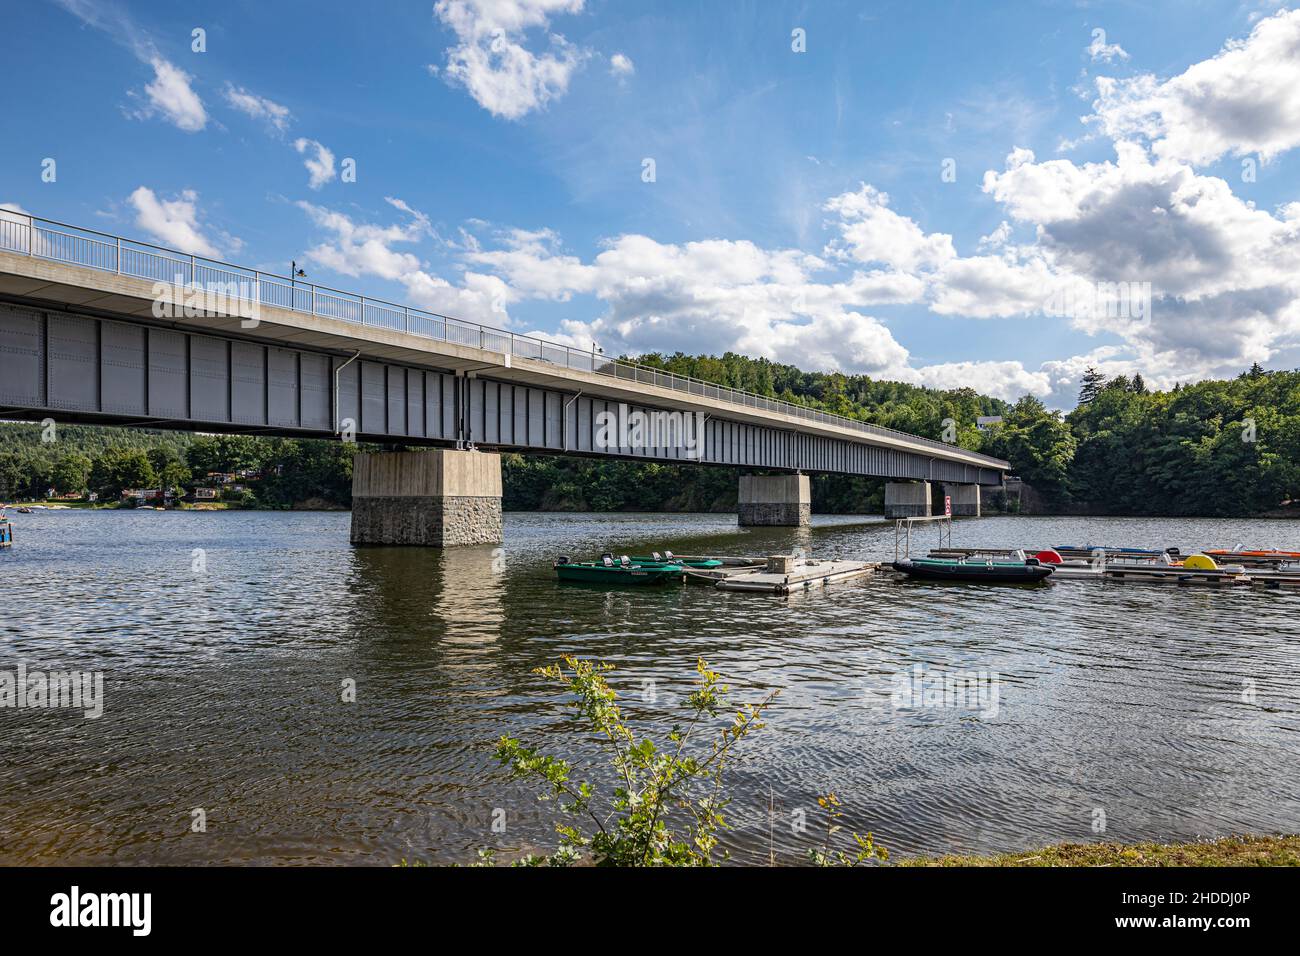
294, 273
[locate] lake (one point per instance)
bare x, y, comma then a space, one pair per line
1122, 711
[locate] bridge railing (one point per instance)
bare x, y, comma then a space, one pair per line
61, 242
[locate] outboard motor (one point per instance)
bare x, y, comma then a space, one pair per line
562, 559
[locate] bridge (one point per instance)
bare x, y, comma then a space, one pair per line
101, 329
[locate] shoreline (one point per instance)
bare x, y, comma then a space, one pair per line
1246, 850
51, 505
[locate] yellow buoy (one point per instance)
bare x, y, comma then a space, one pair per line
1200, 562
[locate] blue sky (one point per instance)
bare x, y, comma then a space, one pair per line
867, 203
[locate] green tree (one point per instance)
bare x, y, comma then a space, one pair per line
226, 453
173, 477
119, 469
14, 475
71, 474
1039, 446
1090, 385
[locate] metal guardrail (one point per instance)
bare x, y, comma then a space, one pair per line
62, 242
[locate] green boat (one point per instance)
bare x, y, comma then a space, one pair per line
623, 573
985, 572
669, 558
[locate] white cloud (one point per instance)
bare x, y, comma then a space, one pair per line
621, 65
319, 161
1224, 286
1160, 221
998, 237
171, 96
710, 296
1244, 100
1006, 380
357, 249
173, 222
482, 298
872, 232
366, 249
491, 62
1017, 282
1101, 51
258, 107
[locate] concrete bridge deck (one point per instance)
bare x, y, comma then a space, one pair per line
96, 328
84, 270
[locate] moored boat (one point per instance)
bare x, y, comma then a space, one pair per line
700, 564
1071, 568
1258, 558
1260, 553
1091, 550
624, 572
1028, 571
1077, 568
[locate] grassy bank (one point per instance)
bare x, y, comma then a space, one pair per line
1229, 851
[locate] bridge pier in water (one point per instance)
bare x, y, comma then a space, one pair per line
774, 500
965, 500
907, 499
434, 498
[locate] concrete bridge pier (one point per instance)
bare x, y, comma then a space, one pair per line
965, 500
434, 498
781, 500
907, 499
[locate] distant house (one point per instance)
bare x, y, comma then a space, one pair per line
205, 494
142, 495
231, 477
985, 422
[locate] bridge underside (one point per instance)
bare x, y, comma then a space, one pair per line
75, 367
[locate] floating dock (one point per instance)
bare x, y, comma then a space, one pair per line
785, 573
1270, 570
1274, 580
1172, 575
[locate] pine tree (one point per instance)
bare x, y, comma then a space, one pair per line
1138, 386
1091, 385
1255, 370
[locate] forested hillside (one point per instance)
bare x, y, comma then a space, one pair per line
1213, 448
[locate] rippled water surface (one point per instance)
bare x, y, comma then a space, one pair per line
1174, 712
